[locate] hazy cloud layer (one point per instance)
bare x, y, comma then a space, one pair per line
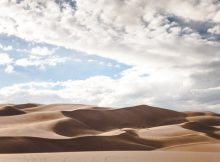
132, 88
174, 43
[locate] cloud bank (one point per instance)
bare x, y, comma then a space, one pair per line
175, 44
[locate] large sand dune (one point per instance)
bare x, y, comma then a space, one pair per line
35, 128
64, 127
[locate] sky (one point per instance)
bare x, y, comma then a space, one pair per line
114, 53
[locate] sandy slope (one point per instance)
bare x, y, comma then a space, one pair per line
35, 128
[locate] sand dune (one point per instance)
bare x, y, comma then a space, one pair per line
10, 110
36, 128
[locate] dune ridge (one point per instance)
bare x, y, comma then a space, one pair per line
37, 128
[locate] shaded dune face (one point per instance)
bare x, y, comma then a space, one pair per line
134, 117
204, 128
207, 120
25, 106
10, 110
72, 128
30, 128
201, 114
88, 143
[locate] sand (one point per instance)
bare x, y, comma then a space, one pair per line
114, 156
86, 132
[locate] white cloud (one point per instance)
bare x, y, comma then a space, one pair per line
215, 29
41, 56
6, 48
119, 30
132, 88
5, 59
41, 62
42, 51
169, 41
9, 69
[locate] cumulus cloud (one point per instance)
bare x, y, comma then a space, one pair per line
6, 48
41, 56
41, 62
5, 59
215, 30
9, 69
42, 51
132, 88
134, 32
173, 44
116, 29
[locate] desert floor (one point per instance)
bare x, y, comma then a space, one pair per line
114, 156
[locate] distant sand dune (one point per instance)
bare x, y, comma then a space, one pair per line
10, 110
36, 128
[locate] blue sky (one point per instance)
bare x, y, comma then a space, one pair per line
111, 53
77, 65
